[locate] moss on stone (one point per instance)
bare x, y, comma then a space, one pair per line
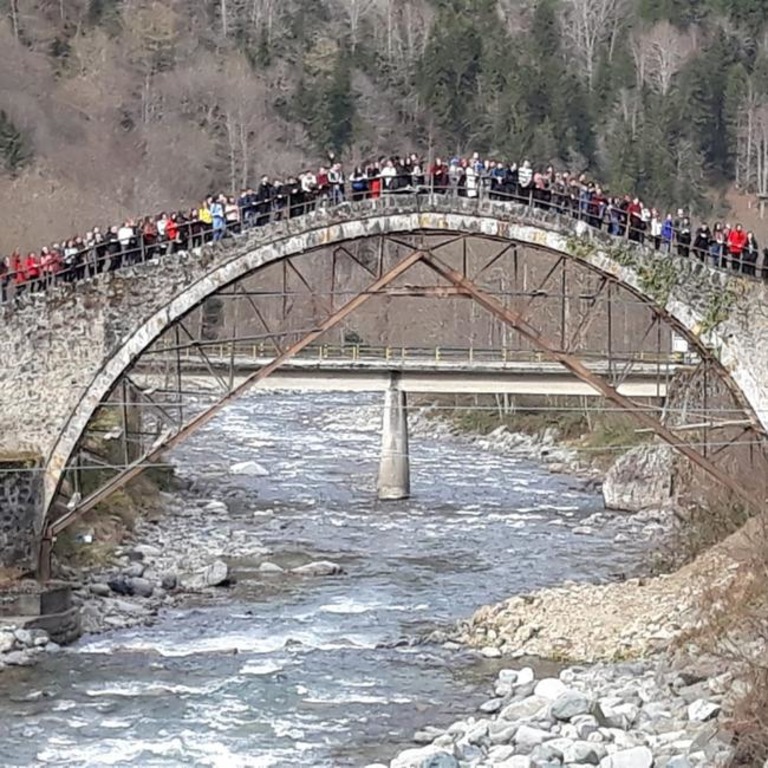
718, 309
657, 278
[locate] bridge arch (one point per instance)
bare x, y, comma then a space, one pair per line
722, 316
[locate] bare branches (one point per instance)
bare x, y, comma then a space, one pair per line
660, 52
591, 25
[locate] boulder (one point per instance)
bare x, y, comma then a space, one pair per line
549, 688
425, 757
531, 706
169, 581
141, 587
528, 737
251, 468
637, 757
100, 589
270, 568
640, 479
491, 706
214, 575
319, 568
18, 659
702, 710
147, 550
120, 585
7, 641
524, 676
570, 704
24, 637
134, 570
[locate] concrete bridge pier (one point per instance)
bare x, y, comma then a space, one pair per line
394, 466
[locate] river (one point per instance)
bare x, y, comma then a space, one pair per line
281, 671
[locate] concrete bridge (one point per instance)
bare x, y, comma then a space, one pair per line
73, 355
420, 373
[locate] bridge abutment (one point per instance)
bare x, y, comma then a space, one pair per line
394, 466
21, 501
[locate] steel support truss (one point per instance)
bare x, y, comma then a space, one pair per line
171, 411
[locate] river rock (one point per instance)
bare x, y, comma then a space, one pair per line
637, 757
100, 589
147, 550
702, 710
531, 706
134, 570
425, 757
528, 737
524, 676
491, 706
141, 587
169, 581
18, 659
550, 688
24, 637
250, 468
570, 704
639, 479
319, 568
214, 575
120, 585
270, 568
7, 641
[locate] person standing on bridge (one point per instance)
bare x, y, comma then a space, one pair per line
264, 196
205, 217
219, 222
736, 244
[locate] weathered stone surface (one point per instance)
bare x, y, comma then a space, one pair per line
570, 704
425, 757
21, 503
319, 568
637, 757
214, 575
702, 710
639, 479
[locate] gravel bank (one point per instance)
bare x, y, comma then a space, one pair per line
627, 715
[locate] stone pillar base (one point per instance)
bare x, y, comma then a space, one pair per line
394, 467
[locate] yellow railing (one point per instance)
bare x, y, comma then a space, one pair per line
393, 353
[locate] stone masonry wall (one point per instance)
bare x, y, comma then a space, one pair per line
21, 498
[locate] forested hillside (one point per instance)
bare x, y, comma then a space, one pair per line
111, 106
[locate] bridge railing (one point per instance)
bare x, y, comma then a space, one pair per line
112, 254
398, 354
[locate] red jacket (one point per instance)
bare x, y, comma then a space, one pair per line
32, 267
737, 241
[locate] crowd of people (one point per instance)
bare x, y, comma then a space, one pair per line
219, 216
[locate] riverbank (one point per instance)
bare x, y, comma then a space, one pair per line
624, 715
223, 525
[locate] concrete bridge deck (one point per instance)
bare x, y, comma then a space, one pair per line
428, 375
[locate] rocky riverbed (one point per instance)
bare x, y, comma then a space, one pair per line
617, 714
625, 715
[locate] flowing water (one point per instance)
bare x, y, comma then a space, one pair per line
293, 672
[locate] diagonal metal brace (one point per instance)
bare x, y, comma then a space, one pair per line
137, 467
597, 382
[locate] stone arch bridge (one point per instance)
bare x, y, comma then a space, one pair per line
84, 359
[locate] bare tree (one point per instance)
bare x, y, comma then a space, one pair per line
355, 12
669, 49
591, 25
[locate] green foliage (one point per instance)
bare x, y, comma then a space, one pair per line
718, 310
657, 277
325, 103
15, 148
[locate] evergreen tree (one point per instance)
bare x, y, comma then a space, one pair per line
15, 150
